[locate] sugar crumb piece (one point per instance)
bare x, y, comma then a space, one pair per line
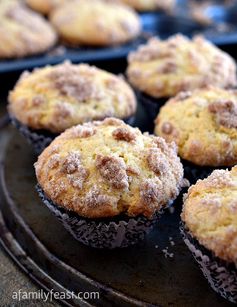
72, 162
113, 170
95, 199
124, 134
82, 131
225, 112
156, 161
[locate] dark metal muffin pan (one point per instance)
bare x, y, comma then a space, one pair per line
137, 276
223, 31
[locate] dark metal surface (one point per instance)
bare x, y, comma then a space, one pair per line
222, 31
136, 276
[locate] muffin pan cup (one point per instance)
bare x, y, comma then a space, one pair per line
151, 105
41, 139
221, 275
101, 233
194, 172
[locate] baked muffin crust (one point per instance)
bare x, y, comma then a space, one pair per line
44, 6
203, 125
209, 213
89, 170
22, 31
165, 68
150, 5
57, 97
95, 23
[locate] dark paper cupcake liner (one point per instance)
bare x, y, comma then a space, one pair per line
221, 276
151, 105
101, 233
38, 139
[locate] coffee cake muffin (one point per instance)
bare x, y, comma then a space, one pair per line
203, 123
107, 181
95, 23
210, 229
150, 5
49, 100
161, 69
22, 31
44, 6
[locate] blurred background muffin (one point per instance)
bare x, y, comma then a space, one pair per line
106, 170
203, 123
22, 31
95, 23
54, 98
163, 68
210, 229
150, 5
44, 6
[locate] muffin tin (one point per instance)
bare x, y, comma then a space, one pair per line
158, 272
222, 31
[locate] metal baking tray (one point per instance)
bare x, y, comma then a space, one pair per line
137, 276
222, 31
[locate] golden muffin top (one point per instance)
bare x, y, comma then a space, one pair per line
22, 31
150, 5
57, 97
95, 23
203, 124
44, 6
210, 213
103, 169
165, 68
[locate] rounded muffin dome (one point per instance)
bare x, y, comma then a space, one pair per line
163, 68
22, 31
209, 213
103, 169
57, 97
203, 124
150, 5
44, 6
95, 23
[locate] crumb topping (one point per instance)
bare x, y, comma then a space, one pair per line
124, 134
72, 81
219, 179
167, 128
96, 199
78, 178
72, 162
113, 170
38, 100
150, 192
225, 112
157, 161
82, 131
54, 161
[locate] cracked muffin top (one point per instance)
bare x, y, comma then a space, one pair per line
203, 124
106, 168
163, 68
209, 213
57, 97
150, 5
22, 31
95, 23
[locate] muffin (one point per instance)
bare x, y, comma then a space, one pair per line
107, 182
44, 6
161, 69
150, 5
49, 100
210, 229
203, 124
22, 31
95, 23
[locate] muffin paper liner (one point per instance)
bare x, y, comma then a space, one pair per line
152, 105
39, 140
221, 275
101, 233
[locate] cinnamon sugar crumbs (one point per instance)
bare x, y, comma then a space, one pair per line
38, 100
54, 161
167, 128
183, 95
82, 131
78, 178
150, 192
95, 199
113, 170
74, 82
72, 162
225, 111
133, 171
219, 179
123, 134
156, 161
111, 121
